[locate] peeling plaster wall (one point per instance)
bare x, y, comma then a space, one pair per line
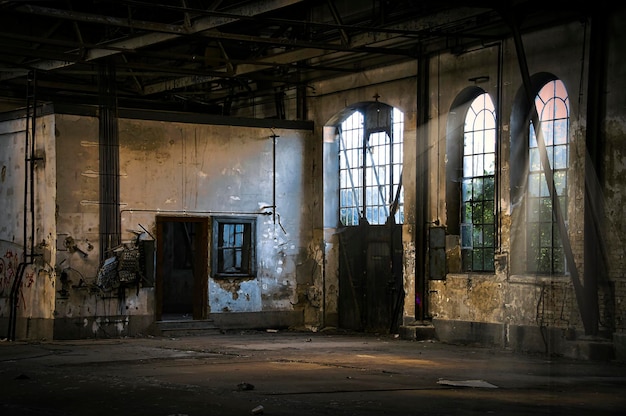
614, 191
208, 170
512, 309
83, 309
396, 86
505, 300
78, 178
193, 169
614, 170
34, 311
187, 169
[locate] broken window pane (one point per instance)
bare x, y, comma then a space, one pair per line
234, 246
370, 167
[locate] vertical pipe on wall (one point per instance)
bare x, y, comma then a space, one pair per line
499, 121
595, 257
31, 164
421, 198
274, 136
323, 283
30, 130
110, 227
363, 216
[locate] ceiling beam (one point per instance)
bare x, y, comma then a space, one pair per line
148, 39
103, 20
359, 43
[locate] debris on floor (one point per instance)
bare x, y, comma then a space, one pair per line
245, 386
467, 383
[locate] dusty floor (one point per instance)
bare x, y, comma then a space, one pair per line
297, 374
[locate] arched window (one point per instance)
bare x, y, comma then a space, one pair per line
478, 237
370, 166
544, 245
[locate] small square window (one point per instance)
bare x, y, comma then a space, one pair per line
234, 242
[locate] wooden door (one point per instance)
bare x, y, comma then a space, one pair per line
370, 278
181, 286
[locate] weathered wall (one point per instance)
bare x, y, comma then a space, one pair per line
32, 302
196, 169
517, 310
188, 169
505, 308
84, 309
614, 172
330, 101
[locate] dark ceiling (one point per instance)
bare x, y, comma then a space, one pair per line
216, 57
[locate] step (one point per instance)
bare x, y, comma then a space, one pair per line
186, 327
418, 331
592, 349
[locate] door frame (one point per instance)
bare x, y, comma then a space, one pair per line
371, 278
200, 267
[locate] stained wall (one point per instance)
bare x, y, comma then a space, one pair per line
508, 308
27, 203
511, 308
203, 169
186, 169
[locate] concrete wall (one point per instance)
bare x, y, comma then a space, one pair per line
203, 170
506, 308
180, 169
530, 312
27, 296
331, 102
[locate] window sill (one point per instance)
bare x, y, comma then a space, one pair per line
233, 276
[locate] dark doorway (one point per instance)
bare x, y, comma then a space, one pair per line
371, 294
182, 268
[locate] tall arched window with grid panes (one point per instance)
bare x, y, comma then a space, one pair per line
544, 245
478, 237
370, 166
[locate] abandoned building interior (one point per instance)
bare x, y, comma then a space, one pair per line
447, 169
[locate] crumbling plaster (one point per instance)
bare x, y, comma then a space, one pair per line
191, 169
508, 296
201, 169
34, 297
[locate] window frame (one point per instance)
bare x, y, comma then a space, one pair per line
362, 195
472, 228
556, 263
247, 246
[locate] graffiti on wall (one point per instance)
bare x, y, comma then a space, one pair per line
9, 263
8, 269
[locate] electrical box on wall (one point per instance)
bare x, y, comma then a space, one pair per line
147, 248
436, 253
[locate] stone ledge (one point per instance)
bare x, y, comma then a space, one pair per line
590, 350
417, 332
257, 320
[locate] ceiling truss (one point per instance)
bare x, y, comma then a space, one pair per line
216, 56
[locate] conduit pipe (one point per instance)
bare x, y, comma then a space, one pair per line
29, 199
186, 212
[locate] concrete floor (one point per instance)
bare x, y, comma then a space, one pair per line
297, 374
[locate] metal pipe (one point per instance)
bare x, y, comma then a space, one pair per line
274, 136
29, 185
421, 189
33, 129
185, 212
